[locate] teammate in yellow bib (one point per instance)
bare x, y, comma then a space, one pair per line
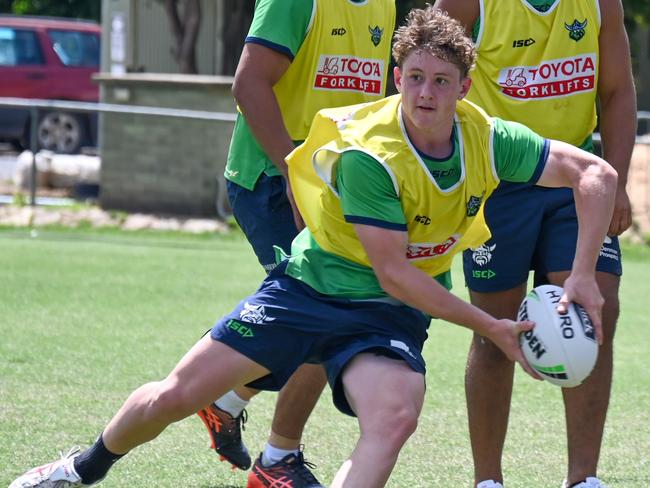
544, 63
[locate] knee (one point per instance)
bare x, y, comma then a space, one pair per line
393, 425
403, 422
485, 352
168, 402
611, 310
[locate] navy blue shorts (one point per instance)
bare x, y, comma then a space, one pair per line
533, 228
264, 216
287, 323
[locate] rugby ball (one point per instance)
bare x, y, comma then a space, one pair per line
562, 348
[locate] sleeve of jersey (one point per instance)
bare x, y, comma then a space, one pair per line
367, 193
281, 25
520, 154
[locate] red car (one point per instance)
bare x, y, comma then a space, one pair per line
52, 59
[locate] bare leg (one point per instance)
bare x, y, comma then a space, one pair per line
488, 382
295, 403
586, 405
206, 372
245, 393
379, 388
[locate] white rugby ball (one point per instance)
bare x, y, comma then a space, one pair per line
561, 348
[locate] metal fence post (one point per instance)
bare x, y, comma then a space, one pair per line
33, 146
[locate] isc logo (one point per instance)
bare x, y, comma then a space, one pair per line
339, 31
422, 219
523, 42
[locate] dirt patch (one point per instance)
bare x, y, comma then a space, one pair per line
22, 216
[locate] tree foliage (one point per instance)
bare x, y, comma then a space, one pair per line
77, 9
637, 12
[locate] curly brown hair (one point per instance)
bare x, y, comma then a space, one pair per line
433, 31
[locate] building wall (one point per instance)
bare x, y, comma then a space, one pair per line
161, 164
156, 164
148, 41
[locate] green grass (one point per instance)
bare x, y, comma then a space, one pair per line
87, 316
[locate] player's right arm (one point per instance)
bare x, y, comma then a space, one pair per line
386, 250
370, 203
465, 11
259, 69
266, 56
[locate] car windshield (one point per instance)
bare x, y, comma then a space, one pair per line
76, 48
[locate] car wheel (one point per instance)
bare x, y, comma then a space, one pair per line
60, 132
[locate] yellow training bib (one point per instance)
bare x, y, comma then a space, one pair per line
440, 223
342, 61
539, 68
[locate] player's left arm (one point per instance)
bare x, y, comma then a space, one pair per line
594, 184
617, 98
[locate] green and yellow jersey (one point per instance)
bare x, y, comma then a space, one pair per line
339, 52
542, 69
347, 173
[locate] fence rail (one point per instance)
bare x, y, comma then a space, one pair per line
36, 105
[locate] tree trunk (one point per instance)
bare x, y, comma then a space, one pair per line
185, 28
239, 16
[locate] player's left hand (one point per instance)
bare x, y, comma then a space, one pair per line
584, 291
622, 216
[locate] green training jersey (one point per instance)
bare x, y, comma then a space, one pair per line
282, 26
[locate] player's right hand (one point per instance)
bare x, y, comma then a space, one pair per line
506, 337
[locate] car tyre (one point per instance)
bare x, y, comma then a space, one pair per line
61, 132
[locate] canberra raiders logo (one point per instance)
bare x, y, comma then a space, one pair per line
255, 314
483, 254
473, 204
577, 29
375, 34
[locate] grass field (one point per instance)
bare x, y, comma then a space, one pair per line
86, 317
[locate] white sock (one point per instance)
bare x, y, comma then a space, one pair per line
489, 484
231, 403
272, 455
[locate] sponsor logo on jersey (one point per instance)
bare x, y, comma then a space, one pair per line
430, 250
483, 254
255, 314
576, 29
473, 205
422, 219
339, 31
349, 73
552, 78
443, 173
523, 42
375, 34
